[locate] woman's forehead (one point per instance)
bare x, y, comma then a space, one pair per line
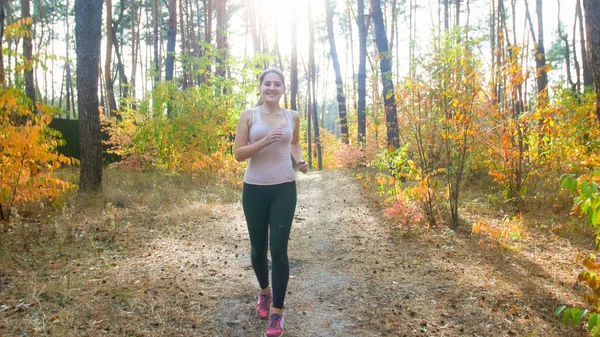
272, 77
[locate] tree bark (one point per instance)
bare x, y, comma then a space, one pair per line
566, 51
28, 55
108, 80
313, 79
155, 35
171, 39
294, 65
592, 23
588, 78
341, 98
385, 64
540, 53
221, 37
69, 79
88, 22
362, 74
446, 15
2, 17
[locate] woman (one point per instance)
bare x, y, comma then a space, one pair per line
268, 135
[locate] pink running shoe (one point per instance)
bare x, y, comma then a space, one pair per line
275, 328
263, 307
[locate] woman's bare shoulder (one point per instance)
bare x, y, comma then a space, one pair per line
294, 113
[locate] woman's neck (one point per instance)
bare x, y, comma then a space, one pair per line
271, 108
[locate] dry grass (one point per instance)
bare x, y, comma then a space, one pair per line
123, 262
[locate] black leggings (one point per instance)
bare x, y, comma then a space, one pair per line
274, 206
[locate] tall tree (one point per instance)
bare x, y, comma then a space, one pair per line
385, 64
155, 39
88, 22
69, 80
592, 23
208, 14
221, 36
540, 53
362, 73
171, 39
313, 79
566, 50
341, 98
254, 26
108, 80
28, 54
3, 5
588, 79
294, 64
184, 47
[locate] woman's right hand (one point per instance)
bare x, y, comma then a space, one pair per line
272, 137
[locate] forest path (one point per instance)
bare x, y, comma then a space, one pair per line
333, 250
350, 276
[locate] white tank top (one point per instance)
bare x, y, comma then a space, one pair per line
271, 165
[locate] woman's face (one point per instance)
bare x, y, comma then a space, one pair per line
272, 88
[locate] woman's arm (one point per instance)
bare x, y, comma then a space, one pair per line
296, 148
243, 150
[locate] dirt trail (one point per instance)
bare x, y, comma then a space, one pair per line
351, 277
331, 249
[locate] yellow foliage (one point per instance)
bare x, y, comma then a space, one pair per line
28, 152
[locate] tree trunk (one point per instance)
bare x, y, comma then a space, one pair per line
184, 48
341, 98
28, 55
155, 35
385, 64
446, 15
221, 37
294, 65
588, 79
362, 74
540, 54
108, 80
592, 23
567, 51
313, 78
171, 39
88, 22
135, 47
68, 84
2, 17
208, 12
254, 26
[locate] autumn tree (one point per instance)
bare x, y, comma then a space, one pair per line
221, 36
88, 22
3, 5
362, 73
171, 39
587, 73
294, 64
341, 98
592, 23
108, 80
385, 64
312, 110
540, 53
28, 53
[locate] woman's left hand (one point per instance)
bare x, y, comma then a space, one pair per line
302, 166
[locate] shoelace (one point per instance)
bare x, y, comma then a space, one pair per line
264, 298
274, 321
